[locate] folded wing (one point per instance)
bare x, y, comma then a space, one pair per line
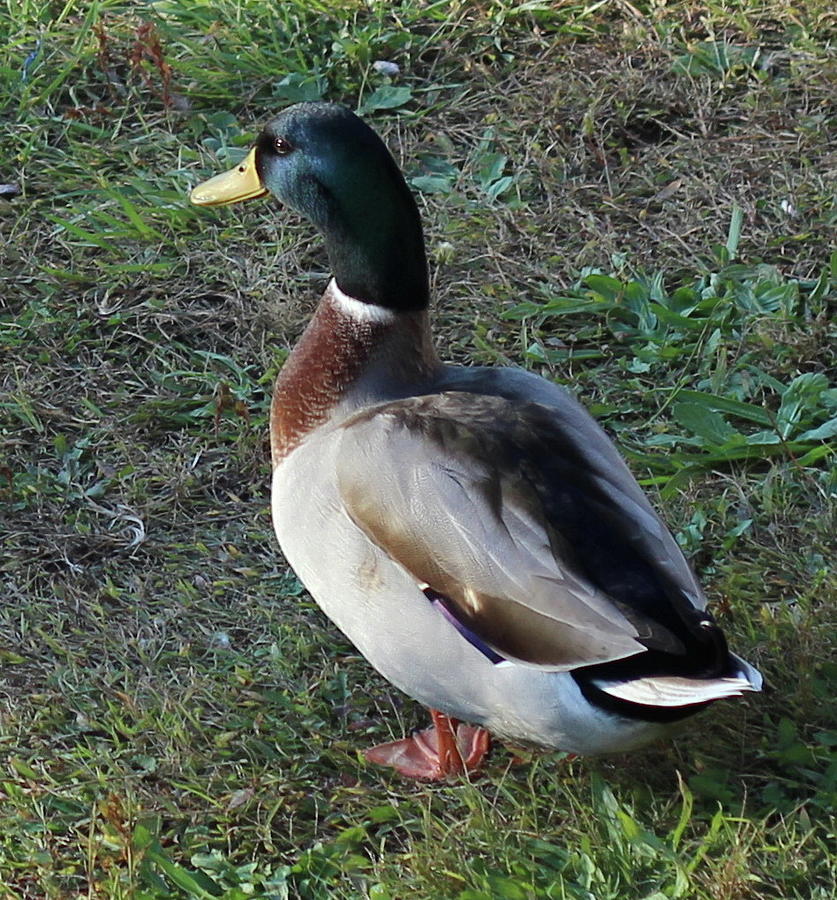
492, 505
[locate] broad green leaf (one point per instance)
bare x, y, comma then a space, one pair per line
432, 184
748, 411
734, 533
820, 451
672, 318
821, 432
800, 396
437, 165
491, 168
605, 286
498, 187
763, 437
353, 834
563, 306
213, 861
387, 813
197, 883
734, 233
387, 96
24, 769
704, 422
523, 310
540, 353
299, 88
143, 837
684, 300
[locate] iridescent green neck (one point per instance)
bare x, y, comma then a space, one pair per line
375, 244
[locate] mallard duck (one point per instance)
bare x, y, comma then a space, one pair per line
472, 531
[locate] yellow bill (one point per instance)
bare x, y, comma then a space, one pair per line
240, 183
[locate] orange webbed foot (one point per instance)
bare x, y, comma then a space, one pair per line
447, 748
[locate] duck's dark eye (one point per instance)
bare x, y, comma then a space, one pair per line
282, 146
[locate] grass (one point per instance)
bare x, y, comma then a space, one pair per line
633, 198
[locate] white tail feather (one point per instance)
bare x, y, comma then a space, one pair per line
674, 690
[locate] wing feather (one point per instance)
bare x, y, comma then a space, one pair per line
450, 487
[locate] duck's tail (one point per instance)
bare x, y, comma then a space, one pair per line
674, 691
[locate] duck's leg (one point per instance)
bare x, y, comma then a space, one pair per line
448, 747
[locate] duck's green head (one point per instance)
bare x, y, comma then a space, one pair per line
324, 162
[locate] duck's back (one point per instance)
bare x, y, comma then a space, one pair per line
473, 527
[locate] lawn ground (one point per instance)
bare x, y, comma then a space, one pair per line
635, 199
